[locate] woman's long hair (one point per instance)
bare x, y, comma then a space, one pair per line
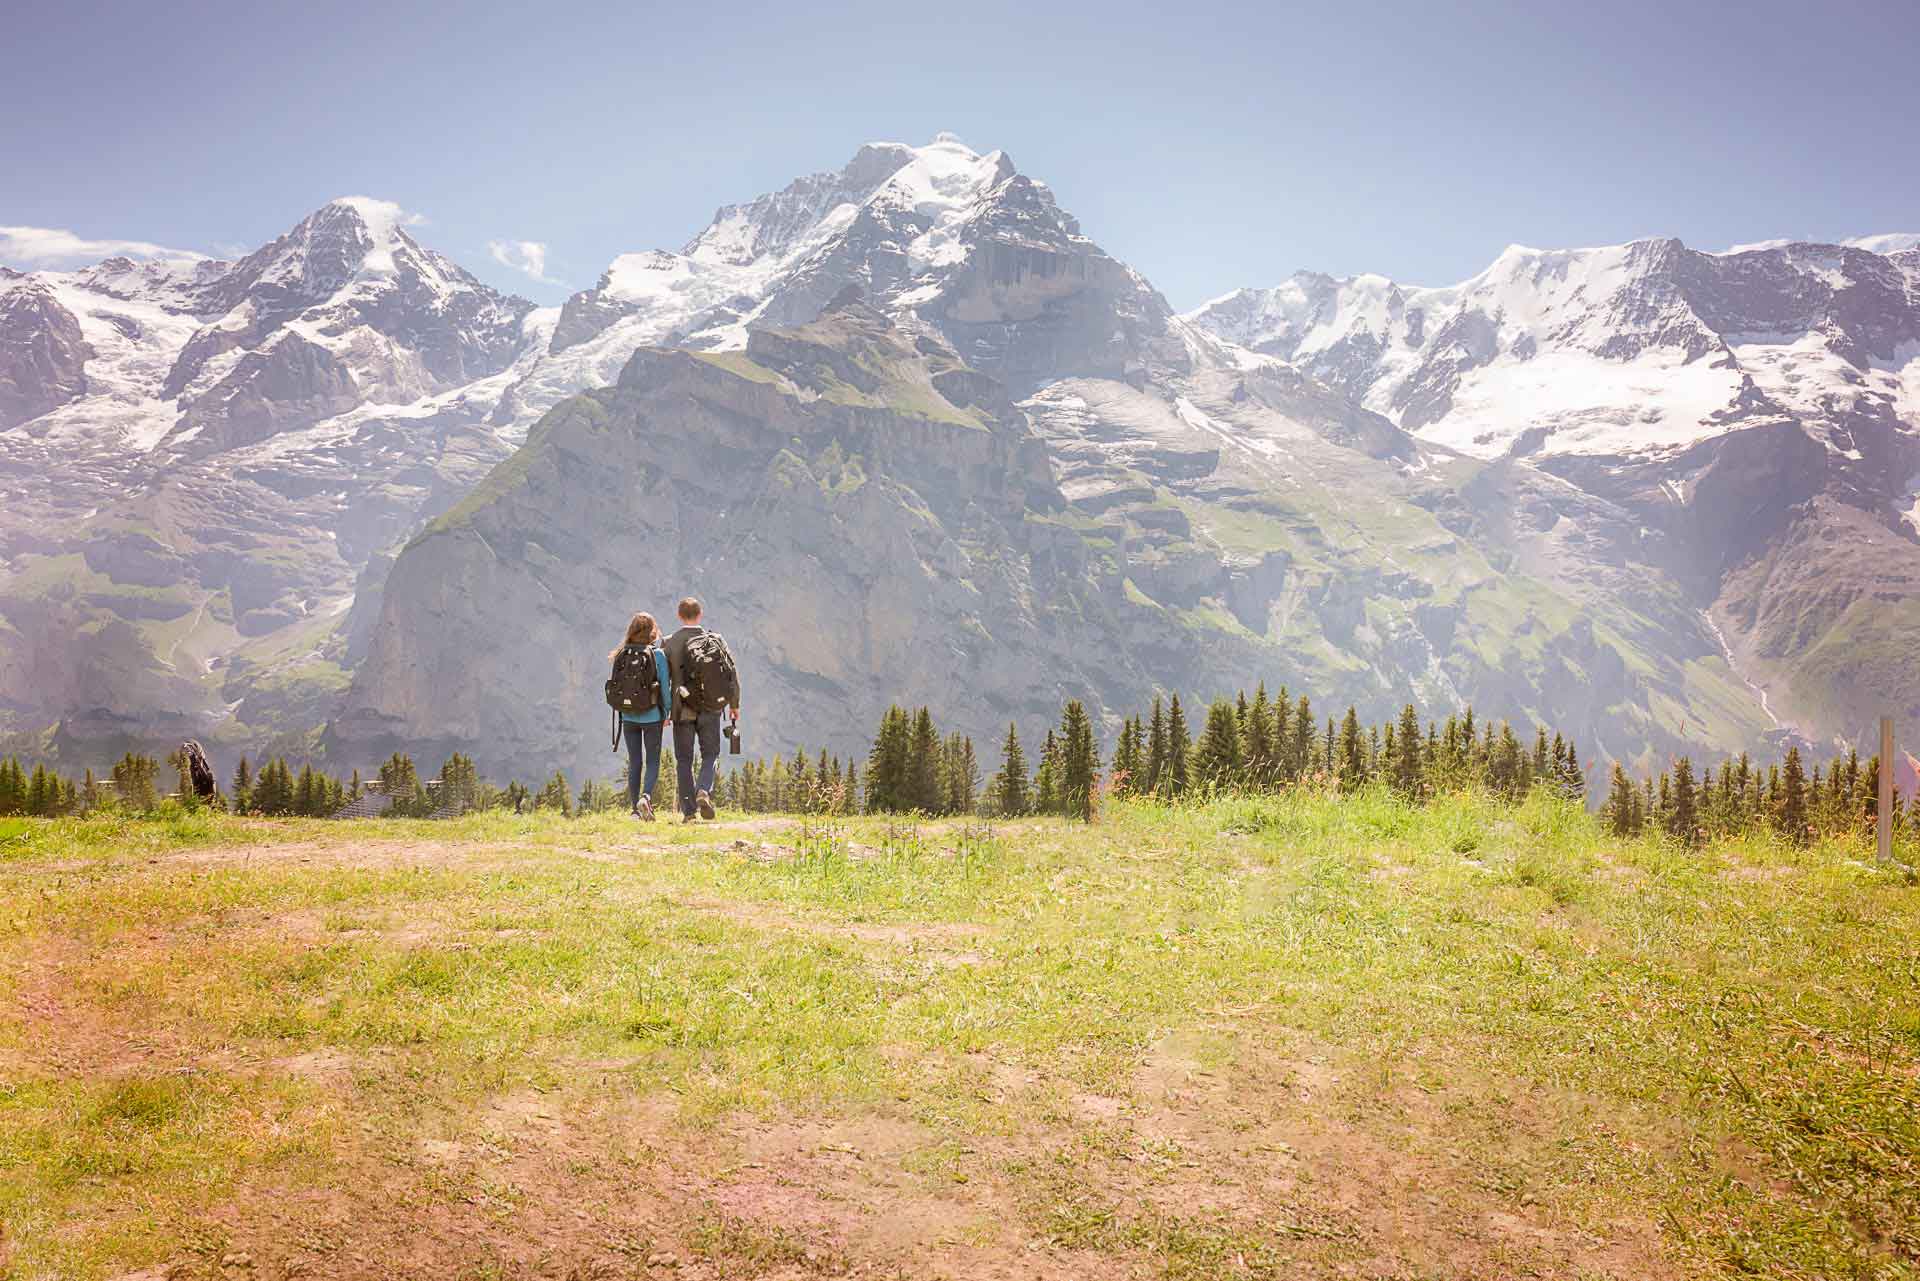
641, 630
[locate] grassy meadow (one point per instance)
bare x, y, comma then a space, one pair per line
1292, 1036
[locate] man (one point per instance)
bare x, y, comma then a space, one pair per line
706, 686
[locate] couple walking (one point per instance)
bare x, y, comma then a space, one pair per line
689, 681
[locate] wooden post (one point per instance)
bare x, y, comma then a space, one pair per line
1884, 829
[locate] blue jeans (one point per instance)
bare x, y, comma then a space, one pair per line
707, 730
643, 748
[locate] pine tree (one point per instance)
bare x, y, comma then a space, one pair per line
13, 791
923, 771
400, 781
459, 784
1409, 764
1156, 763
1217, 760
242, 787
888, 764
1618, 812
1791, 817
37, 803
776, 777
1300, 746
1507, 766
1179, 743
273, 789
133, 781
800, 797
1683, 820
1352, 768
1046, 779
1128, 759
1079, 763
1869, 811
1257, 741
963, 775
555, 796
1009, 791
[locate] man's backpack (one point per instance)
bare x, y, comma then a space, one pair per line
634, 686
708, 672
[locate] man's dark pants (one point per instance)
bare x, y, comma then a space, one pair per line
707, 730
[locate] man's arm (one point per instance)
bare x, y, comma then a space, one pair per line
733, 692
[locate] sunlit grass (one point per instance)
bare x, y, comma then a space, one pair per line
1597, 1023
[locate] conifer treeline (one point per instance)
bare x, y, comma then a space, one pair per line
1836, 800
1258, 744
1267, 743
911, 768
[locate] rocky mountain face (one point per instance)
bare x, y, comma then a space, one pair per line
42, 354
870, 519
199, 460
914, 435
1760, 407
1241, 517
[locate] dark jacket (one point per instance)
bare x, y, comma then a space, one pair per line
676, 648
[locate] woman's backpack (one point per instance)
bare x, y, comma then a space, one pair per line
634, 686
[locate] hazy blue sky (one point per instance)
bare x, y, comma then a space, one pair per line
1210, 145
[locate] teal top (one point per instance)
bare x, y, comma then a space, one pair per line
653, 716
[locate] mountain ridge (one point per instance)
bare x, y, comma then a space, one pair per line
335, 413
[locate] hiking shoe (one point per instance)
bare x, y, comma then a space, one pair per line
686, 818
644, 810
705, 804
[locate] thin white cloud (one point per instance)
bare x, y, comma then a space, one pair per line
37, 247
528, 257
1891, 242
383, 213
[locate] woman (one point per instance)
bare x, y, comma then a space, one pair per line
642, 729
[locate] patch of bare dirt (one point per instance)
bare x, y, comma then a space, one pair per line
586, 1185
352, 850
1274, 1147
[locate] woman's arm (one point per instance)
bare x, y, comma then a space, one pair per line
666, 684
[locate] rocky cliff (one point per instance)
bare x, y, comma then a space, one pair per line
868, 519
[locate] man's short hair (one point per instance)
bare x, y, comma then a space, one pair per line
689, 608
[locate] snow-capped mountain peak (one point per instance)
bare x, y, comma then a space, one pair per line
940, 180
902, 222
347, 239
1618, 349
